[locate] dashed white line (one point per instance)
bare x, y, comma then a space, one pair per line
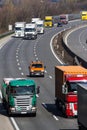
19, 68
45, 71
44, 105
55, 118
17, 60
17, 56
22, 73
37, 58
50, 76
18, 64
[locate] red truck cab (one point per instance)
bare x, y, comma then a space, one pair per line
67, 79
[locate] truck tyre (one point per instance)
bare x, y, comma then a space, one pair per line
34, 114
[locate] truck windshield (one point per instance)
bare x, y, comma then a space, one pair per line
48, 20
30, 29
72, 86
37, 65
17, 28
22, 90
39, 25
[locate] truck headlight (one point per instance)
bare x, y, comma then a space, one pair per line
12, 108
42, 70
32, 70
34, 108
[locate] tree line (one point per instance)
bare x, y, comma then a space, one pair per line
24, 10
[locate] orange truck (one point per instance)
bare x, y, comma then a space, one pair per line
36, 68
66, 80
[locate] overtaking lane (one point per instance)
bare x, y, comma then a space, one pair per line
77, 42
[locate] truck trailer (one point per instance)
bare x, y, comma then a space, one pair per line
40, 26
82, 106
19, 96
66, 80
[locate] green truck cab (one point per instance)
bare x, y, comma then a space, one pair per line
19, 96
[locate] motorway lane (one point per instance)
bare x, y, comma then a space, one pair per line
77, 42
17, 54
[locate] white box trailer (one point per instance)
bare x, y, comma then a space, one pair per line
30, 31
82, 106
34, 20
19, 29
40, 26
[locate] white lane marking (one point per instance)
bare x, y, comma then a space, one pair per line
52, 48
45, 71
19, 68
14, 123
17, 60
44, 105
50, 76
37, 58
55, 118
17, 56
22, 73
18, 64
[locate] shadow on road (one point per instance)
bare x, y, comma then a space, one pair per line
51, 108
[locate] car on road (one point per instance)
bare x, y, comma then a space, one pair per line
36, 68
59, 24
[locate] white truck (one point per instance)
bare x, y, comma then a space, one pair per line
30, 31
82, 106
19, 29
40, 26
34, 20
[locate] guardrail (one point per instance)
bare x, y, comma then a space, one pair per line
6, 34
77, 59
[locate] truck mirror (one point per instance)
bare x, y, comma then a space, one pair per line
38, 89
64, 89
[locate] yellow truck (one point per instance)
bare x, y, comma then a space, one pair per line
48, 21
37, 68
84, 15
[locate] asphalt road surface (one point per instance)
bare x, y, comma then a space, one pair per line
15, 58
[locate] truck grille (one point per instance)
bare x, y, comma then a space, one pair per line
23, 103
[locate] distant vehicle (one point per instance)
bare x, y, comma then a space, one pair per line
82, 106
36, 68
19, 96
66, 80
64, 18
34, 20
30, 31
48, 21
59, 24
40, 26
19, 29
84, 15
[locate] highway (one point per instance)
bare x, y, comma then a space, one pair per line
79, 44
15, 57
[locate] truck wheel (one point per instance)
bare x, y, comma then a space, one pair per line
34, 114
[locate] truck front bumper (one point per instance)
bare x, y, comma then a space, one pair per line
16, 111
